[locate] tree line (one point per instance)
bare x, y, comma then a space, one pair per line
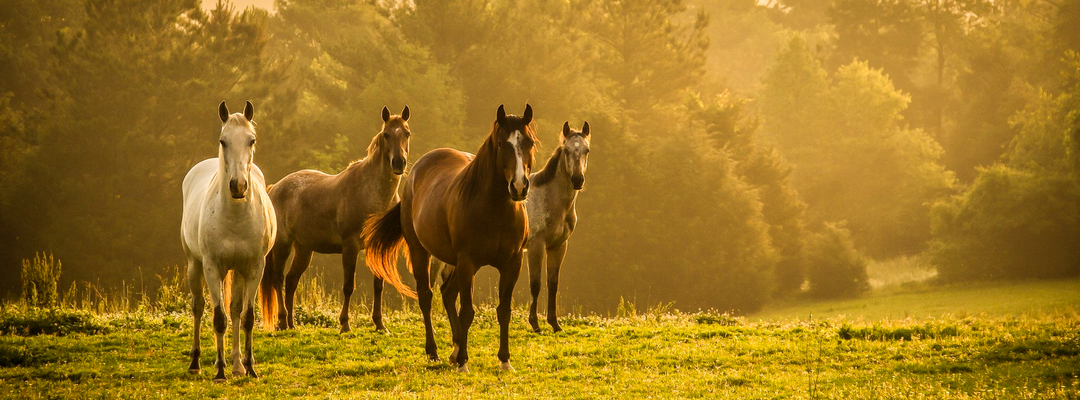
743, 151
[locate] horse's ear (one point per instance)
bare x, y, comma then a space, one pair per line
585, 129
565, 129
385, 114
223, 112
405, 113
527, 117
249, 111
500, 116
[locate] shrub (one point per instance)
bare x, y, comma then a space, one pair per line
39, 280
834, 267
1012, 223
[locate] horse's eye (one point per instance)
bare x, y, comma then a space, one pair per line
386, 135
222, 143
252, 142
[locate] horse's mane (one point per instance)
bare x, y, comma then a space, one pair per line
239, 119
548, 173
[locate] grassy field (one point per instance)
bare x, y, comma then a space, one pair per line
973, 342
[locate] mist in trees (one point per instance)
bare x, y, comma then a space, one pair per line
743, 151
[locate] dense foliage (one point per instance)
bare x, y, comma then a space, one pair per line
729, 135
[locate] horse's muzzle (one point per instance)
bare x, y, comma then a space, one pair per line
238, 188
578, 181
397, 165
517, 195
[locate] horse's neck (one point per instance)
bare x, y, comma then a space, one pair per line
480, 180
558, 193
372, 175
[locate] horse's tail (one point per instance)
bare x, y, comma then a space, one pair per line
226, 293
268, 294
383, 239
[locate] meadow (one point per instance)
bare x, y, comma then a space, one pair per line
996, 341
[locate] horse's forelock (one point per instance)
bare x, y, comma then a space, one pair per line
238, 120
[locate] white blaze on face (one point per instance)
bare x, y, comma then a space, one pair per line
519, 170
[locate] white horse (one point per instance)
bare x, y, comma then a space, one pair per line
229, 225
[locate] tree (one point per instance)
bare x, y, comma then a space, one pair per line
853, 160
834, 267
131, 109
768, 172
1020, 219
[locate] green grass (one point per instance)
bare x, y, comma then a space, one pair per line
1021, 351
922, 302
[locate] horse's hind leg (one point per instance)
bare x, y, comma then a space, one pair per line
237, 301
301, 261
465, 274
536, 268
508, 276
376, 305
420, 261
349, 253
279, 255
450, 291
555, 257
198, 304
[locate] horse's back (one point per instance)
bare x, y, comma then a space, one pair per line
306, 210
425, 200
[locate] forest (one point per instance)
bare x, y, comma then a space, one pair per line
743, 151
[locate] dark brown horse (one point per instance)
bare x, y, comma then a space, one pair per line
466, 210
324, 213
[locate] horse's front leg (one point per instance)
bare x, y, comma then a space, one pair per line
252, 285
198, 304
349, 253
555, 256
536, 267
237, 299
214, 281
508, 276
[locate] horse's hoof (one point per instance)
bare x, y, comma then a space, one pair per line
345, 329
453, 355
433, 357
194, 371
220, 377
557, 329
251, 373
382, 330
239, 372
506, 367
536, 330
464, 369
220, 380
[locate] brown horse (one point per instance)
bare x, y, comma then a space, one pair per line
324, 213
552, 217
466, 210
